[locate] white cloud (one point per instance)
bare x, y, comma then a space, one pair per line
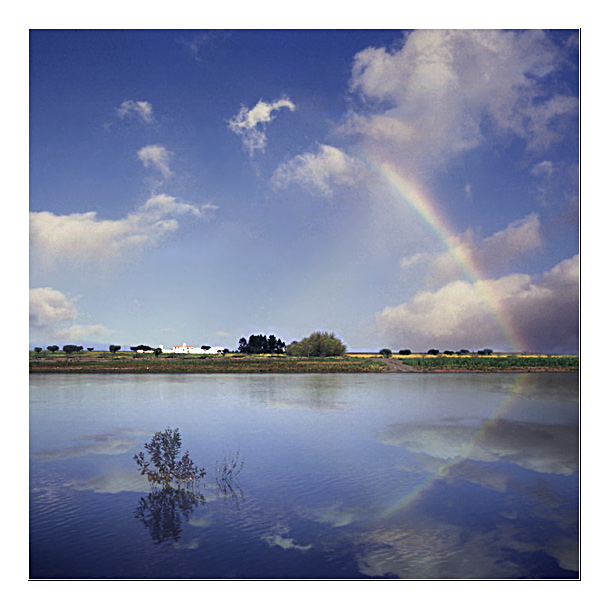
458, 315
49, 306
444, 92
51, 311
250, 124
82, 239
141, 110
157, 157
321, 171
489, 255
543, 169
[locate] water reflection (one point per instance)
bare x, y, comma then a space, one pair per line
447, 476
544, 448
163, 510
230, 492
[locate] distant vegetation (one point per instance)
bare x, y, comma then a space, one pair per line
70, 349
478, 363
317, 345
320, 352
260, 344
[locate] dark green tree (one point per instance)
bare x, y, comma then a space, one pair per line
317, 345
114, 348
386, 352
260, 344
52, 348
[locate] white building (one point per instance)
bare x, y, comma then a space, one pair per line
191, 349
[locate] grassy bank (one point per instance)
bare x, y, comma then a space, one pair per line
125, 362
193, 364
530, 363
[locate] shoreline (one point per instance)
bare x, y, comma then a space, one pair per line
292, 365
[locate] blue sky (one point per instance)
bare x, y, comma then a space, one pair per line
404, 189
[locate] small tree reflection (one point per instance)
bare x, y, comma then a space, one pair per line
163, 510
230, 491
227, 470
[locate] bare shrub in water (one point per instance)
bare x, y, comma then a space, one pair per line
228, 468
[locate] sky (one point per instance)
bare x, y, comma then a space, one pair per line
409, 189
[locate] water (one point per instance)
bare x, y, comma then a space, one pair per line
465, 476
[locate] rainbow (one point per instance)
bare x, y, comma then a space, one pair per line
465, 452
413, 194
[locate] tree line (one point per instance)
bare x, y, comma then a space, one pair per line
317, 345
434, 352
260, 344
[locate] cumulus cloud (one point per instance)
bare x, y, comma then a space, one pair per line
82, 239
250, 124
459, 314
319, 172
51, 311
157, 157
445, 92
49, 307
489, 255
140, 110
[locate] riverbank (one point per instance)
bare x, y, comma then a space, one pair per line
144, 364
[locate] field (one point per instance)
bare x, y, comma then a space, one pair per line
127, 362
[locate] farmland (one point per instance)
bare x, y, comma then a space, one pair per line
127, 362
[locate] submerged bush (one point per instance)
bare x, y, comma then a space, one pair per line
163, 466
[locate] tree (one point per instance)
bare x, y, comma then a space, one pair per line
260, 344
70, 349
404, 352
433, 352
90, 349
317, 345
158, 351
207, 347
52, 348
114, 348
386, 352
38, 350
141, 348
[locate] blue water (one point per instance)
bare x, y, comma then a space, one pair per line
435, 476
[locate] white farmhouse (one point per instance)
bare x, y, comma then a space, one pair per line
191, 349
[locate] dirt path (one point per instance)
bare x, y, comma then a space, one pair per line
395, 366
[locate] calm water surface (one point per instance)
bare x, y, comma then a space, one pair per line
465, 476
